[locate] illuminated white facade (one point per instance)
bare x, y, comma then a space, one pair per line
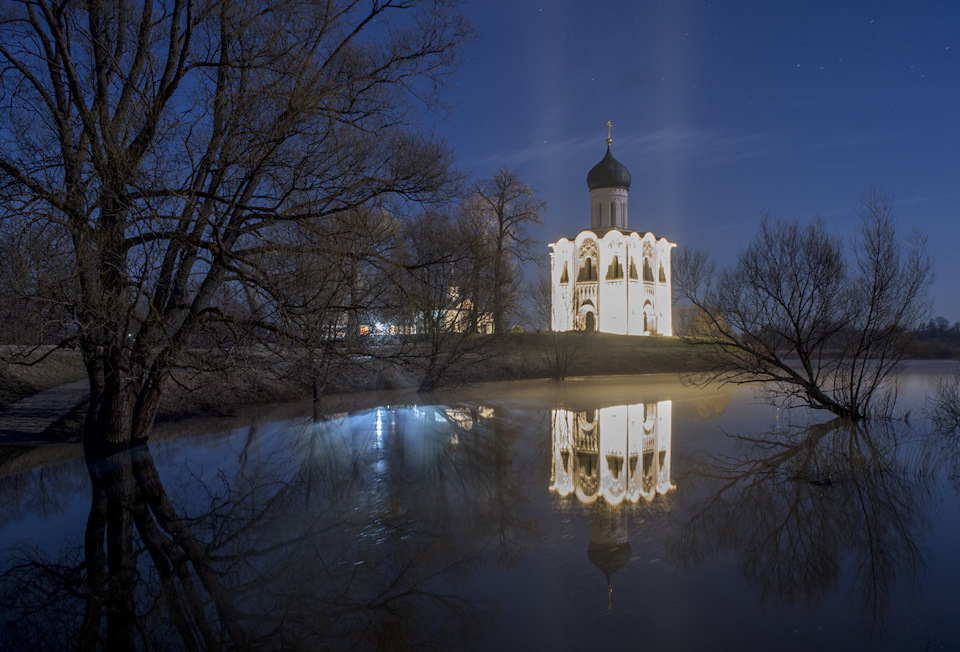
609, 278
616, 453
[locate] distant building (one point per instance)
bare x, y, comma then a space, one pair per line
610, 278
462, 316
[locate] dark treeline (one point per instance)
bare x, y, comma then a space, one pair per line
937, 339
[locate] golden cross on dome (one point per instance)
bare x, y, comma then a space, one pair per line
609, 139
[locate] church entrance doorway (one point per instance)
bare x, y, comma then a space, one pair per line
590, 323
649, 319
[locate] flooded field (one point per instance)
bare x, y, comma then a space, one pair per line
628, 511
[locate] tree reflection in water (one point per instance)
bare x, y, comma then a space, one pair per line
356, 535
943, 412
801, 507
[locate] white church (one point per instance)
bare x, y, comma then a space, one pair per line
610, 278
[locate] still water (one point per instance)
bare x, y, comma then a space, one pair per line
631, 512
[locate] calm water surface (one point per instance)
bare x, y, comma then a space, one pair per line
628, 512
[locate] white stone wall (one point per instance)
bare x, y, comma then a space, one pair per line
613, 317
561, 295
664, 293
620, 304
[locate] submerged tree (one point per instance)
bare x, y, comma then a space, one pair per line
811, 322
170, 142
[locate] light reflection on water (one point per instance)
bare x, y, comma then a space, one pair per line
630, 511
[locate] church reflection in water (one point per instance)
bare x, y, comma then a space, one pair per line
606, 456
616, 453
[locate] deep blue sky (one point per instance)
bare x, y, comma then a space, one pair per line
721, 110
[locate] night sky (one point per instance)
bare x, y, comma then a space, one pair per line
721, 111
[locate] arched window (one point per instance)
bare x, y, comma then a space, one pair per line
615, 270
647, 270
663, 277
615, 465
564, 277
588, 272
633, 268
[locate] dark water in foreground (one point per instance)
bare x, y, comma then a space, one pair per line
622, 512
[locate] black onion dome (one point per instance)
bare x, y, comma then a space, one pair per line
608, 173
609, 558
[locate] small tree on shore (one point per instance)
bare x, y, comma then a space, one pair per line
437, 252
504, 207
808, 318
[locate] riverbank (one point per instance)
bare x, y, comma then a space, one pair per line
213, 390
516, 356
266, 380
24, 373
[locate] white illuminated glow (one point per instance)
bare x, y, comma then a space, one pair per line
609, 278
461, 416
605, 288
379, 426
618, 453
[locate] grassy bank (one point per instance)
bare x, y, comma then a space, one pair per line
547, 355
516, 356
26, 373
511, 357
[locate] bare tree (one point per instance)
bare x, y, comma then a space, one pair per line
811, 323
437, 252
331, 279
169, 143
558, 351
540, 296
36, 279
506, 207
943, 405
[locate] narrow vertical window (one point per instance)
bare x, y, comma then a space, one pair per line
647, 270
